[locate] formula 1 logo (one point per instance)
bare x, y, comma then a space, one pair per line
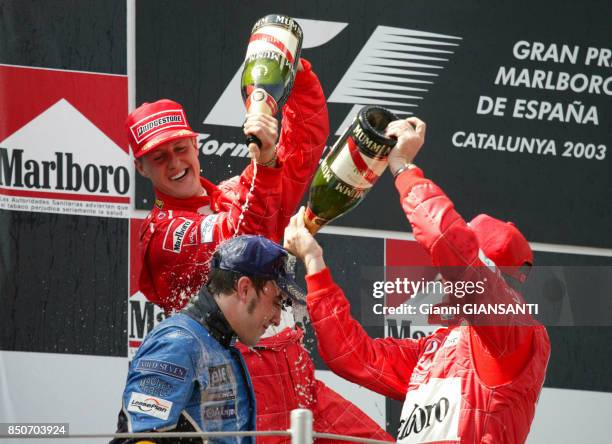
395, 68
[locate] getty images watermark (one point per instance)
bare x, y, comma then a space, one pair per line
567, 295
458, 299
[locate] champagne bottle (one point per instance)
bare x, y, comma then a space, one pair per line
353, 165
271, 62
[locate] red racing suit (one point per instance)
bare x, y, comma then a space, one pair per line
464, 383
283, 377
179, 236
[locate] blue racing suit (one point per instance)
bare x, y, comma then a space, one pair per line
187, 376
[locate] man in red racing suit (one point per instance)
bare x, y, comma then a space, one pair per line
475, 381
180, 234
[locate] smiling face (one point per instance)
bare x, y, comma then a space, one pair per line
174, 168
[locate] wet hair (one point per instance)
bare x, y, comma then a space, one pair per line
224, 281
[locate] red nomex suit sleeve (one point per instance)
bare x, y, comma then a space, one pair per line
381, 365
262, 210
177, 247
303, 136
302, 140
451, 243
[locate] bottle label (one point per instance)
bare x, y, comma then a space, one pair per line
281, 21
338, 185
368, 146
312, 221
355, 169
260, 102
274, 56
275, 39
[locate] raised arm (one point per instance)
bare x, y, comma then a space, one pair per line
303, 136
452, 245
382, 365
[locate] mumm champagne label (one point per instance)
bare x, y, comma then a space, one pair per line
340, 184
368, 146
272, 57
273, 34
360, 162
281, 21
276, 57
259, 101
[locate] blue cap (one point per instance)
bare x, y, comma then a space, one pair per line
259, 257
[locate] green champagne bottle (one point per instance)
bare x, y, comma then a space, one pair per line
271, 61
353, 165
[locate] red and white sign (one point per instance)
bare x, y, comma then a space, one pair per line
62, 146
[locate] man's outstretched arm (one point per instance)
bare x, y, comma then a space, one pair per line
382, 365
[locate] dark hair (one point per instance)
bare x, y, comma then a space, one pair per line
224, 281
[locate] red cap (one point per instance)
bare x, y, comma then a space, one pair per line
153, 124
503, 243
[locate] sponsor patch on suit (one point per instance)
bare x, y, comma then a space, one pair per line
431, 412
156, 386
207, 228
221, 384
163, 368
149, 405
177, 235
219, 412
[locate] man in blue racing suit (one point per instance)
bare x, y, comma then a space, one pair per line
187, 375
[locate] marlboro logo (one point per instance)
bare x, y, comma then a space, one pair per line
61, 173
176, 235
179, 235
74, 169
62, 151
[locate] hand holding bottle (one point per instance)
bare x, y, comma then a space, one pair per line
410, 135
265, 128
300, 243
272, 58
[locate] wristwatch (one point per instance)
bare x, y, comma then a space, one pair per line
407, 166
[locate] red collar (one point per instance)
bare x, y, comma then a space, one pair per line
166, 202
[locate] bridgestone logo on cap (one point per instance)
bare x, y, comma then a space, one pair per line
158, 122
162, 121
